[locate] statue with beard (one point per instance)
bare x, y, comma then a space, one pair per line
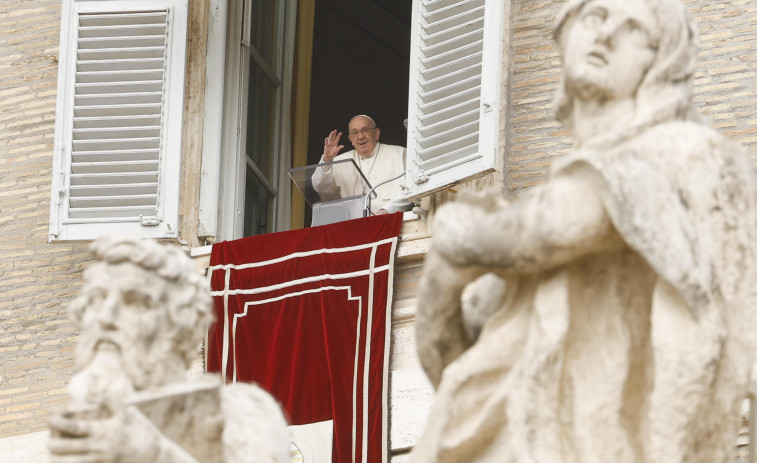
142, 314
618, 297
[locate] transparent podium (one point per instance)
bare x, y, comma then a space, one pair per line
328, 205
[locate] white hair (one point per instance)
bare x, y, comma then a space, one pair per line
361, 115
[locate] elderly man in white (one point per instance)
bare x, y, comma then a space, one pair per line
377, 161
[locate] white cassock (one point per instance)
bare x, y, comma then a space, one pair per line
340, 181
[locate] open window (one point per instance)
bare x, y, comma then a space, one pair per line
255, 150
118, 119
293, 71
436, 63
449, 89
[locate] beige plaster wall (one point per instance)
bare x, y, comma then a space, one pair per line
36, 278
726, 88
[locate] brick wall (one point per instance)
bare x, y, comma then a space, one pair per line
725, 87
36, 278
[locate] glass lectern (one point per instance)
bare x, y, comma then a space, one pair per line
327, 206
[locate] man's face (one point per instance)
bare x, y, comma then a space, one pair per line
363, 135
608, 49
122, 311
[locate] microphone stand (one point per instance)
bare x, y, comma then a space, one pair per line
367, 202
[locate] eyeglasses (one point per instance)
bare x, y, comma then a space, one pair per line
363, 131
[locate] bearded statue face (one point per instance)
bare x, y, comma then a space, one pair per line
126, 341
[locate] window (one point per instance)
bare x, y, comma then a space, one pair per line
453, 105
118, 119
453, 114
255, 157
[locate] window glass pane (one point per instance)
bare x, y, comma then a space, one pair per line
261, 117
258, 205
263, 29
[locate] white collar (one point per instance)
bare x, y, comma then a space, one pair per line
373, 153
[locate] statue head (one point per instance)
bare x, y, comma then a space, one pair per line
640, 49
145, 302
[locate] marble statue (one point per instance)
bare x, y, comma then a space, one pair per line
615, 322
143, 313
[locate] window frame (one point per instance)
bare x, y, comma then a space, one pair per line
222, 210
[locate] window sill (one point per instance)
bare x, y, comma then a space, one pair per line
414, 241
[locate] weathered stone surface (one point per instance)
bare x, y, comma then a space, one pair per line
620, 324
142, 313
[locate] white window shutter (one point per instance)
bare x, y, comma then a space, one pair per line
118, 121
453, 105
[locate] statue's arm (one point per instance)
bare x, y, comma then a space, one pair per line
117, 434
440, 332
255, 428
558, 222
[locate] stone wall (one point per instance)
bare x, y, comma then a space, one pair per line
36, 278
726, 88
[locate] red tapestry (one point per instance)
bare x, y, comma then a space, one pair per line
306, 314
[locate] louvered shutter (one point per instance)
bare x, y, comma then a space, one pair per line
455, 79
118, 120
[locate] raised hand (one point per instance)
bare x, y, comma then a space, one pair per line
331, 146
